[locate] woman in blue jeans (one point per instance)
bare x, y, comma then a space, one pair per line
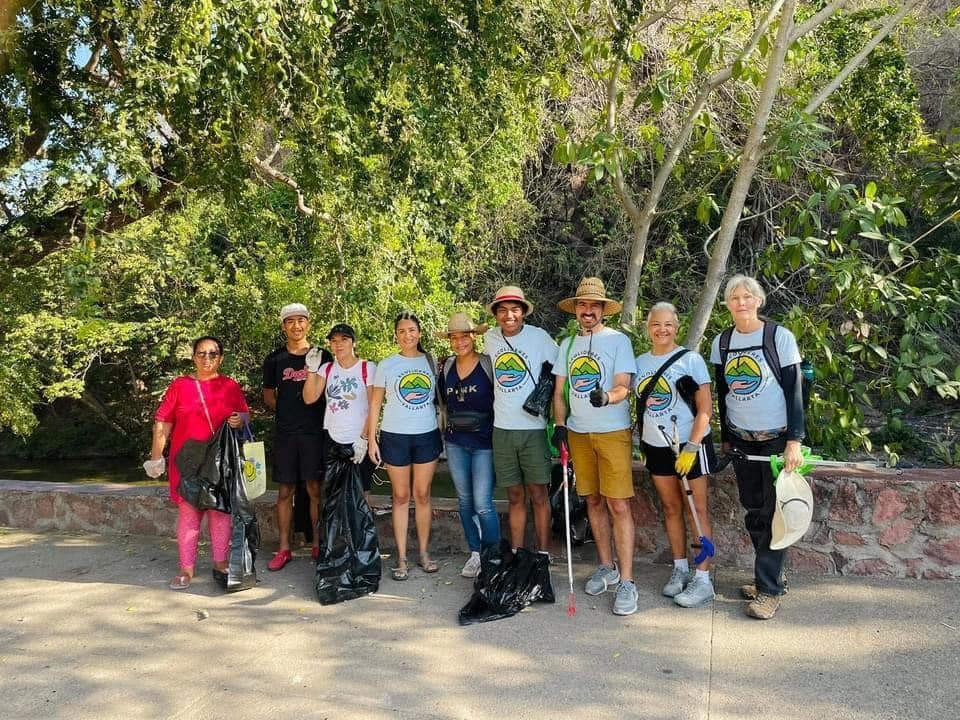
466, 386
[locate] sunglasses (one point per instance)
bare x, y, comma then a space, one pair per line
206, 353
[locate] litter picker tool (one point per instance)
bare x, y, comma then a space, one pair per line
703, 544
810, 461
572, 596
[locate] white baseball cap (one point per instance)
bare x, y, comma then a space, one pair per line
294, 310
794, 510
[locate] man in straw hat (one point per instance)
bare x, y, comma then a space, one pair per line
592, 415
521, 458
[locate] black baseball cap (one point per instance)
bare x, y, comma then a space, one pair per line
342, 329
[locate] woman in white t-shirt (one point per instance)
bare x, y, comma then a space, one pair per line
409, 443
677, 411
345, 384
761, 413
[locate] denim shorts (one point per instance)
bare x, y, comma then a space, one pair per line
401, 450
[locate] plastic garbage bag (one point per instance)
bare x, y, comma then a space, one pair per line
508, 582
203, 472
211, 478
349, 563
579, 522
541, 397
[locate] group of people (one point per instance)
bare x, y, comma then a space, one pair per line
403, 411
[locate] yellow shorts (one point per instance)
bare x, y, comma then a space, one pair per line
603, 462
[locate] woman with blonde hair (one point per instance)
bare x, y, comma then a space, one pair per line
676, 411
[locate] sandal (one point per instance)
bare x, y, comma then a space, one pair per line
401, 571
180, 582
428, 564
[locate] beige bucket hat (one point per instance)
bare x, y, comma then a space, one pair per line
794, 510
510, 293
591, 288
461, 323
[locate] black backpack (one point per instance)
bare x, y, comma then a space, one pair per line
769, 347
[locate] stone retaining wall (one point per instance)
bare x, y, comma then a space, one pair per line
885, 522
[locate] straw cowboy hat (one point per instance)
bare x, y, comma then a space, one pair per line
510, 293
461, 323
591, 288
793, 512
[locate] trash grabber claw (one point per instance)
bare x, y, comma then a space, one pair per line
703, 544
572, 596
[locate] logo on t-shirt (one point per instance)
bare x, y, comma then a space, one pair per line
660, 398
743, 375
414, 388
292, 375
510, 370
585, 374
341, 391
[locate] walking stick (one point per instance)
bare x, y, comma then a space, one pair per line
703, 544
571, 597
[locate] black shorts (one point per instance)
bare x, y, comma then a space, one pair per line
365, 468
661, 460
401, 450
297, 458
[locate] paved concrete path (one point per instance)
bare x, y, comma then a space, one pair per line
88, 629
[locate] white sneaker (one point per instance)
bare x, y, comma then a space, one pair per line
698, 592
471, 568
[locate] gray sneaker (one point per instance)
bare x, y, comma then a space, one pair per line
625, 603
697, 593
603, 579
677, 582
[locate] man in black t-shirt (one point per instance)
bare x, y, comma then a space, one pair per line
298, 431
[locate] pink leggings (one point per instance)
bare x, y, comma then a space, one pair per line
188, 534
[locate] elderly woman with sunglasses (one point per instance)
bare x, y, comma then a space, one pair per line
193, 407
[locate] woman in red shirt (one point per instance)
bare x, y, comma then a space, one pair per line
193, 407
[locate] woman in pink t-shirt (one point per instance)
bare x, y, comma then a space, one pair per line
193, 407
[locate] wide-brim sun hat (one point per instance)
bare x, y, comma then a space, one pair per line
461, 323
591, 288
294, 310
510, 293
793, 512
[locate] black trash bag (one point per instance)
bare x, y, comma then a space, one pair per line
211, 478
507, 583
349, 563
302, 522
203, 473
579, 521
540, 398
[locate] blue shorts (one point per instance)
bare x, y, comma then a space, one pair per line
401, 450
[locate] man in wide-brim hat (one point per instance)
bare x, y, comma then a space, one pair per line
592, 415
521, 458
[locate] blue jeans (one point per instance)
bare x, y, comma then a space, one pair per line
472, 473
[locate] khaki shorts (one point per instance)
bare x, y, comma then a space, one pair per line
521, 457
603, 463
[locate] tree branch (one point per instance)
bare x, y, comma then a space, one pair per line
857, 60
265, 167
818, 19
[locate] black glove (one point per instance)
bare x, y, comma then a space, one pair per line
599, 397
560, 436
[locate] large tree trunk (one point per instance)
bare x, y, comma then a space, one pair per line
749, 159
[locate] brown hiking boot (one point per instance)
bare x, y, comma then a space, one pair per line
763, 607
749, 591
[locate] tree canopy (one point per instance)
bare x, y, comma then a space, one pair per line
173, 168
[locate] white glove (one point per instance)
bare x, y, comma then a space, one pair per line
314, 360
155, 468
360, 450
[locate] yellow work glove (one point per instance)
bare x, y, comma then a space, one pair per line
686, 458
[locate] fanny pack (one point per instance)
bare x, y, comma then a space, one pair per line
468, 421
